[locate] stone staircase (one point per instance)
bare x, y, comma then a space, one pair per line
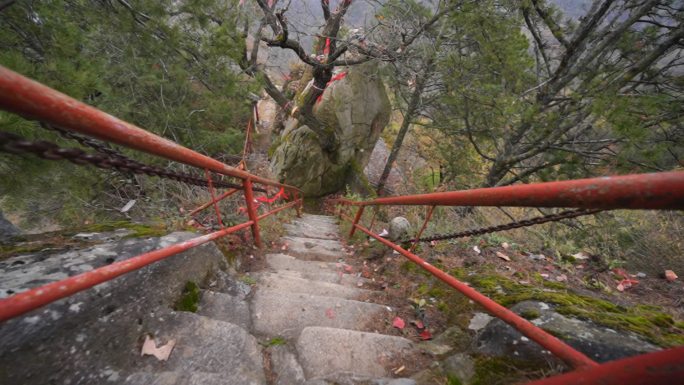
304, 311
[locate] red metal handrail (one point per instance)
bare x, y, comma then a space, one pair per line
642, 191
31, 99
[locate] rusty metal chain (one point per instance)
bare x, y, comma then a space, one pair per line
509, 226
99, 146
15, 144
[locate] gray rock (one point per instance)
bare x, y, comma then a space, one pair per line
399, 228
286, 314
597, 342
460, 366
450, 339
285, 368
355, 110
7, 229
326, 351
479, 321
226, 282
225, 307
287, 262
77, 338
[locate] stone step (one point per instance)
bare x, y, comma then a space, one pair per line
225, 307
326, 351
286, 314
205, 345
303, 230
288, 262
294, 284
314, 249
322, 218
312, 270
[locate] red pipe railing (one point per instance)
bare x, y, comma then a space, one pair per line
642, 191
31, 99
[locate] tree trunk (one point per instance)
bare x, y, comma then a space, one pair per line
411, 109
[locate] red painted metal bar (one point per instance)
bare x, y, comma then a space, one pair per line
26, 301
425, 223
559, 348
664, 190
213, 198
251, 211
278, 209
29, 98
220, 198
662, 367
357, 218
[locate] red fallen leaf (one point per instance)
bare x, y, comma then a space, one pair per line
330, 313
348, 269
425, 335
398, 323
621, 272
418, 324
670, 275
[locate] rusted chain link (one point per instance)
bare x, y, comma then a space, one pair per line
509, 226
15, 144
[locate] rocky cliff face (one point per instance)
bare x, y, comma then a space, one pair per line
355, 109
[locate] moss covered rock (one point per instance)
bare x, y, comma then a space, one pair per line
355, 110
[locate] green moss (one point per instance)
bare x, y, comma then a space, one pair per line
139, 230
248, 280
275, 341
505, 370
645, 320
189, 299
530, 314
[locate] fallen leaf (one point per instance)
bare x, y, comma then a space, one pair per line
383, 233
562, 278
581, 255
620, 287
670, 275
330, 313
398, 323
503, 256
400, 369
544, 275
284, 247
162, 353
418, 324
505, 245
348, 269
425, 335
477, 249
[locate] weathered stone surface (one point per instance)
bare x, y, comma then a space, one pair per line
353, 379
399, 228
325, 351
461, 366
321, 218
205, 345
312, 270
307, 230
292, 284
89, 336
355, 110
225, 282
285, 368
286, 314
453, 338
183, 378
7, 229
597, 342
315, 249
225, 307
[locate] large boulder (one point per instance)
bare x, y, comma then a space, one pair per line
355, 110
597, 342
7, 229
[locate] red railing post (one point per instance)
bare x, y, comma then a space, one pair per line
251, 211
213, 197
357, 218
300, 203
427, 219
